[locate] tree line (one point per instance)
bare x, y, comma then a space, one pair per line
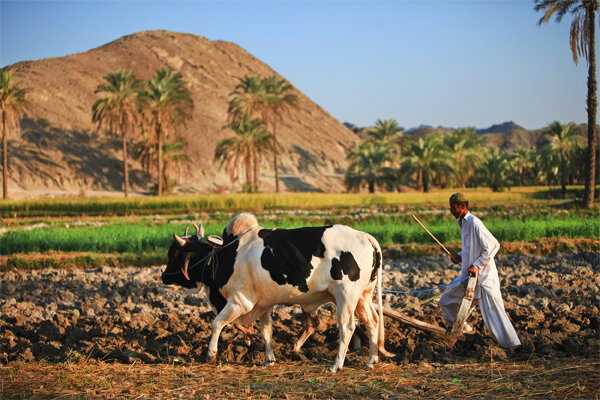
389, 160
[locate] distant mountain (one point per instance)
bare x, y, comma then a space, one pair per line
416, 128
504, 127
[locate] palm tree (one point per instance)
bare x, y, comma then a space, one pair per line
173, 154
495, 168
278, 102
583, 44
387, 130
466, 148
147, 152
247, 98
368, 165
562, 140
427, 157
12, 106
266, 98
167, 104
118, 110
521, 161
244, 150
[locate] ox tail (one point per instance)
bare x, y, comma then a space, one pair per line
380, 324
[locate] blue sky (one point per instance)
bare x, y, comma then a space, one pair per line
450, 63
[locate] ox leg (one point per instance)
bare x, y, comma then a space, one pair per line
266, 331
311, 323
367, 314
347, 325
228, 314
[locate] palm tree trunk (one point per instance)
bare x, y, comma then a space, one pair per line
276, 172
592, 104
125, 169
4, 160
159, 161
249, 174
275, 161
425, 181
255, 163
166, 177
371, 185
563, 175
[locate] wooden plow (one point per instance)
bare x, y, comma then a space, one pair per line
453, 334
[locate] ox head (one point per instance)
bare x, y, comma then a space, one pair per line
183, 252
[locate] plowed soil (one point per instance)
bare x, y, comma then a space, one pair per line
127, 315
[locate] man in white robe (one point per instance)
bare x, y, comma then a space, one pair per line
479, 247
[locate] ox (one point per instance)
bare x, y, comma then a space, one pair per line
258, 268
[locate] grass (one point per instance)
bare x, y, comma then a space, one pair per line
143, 238
569, 378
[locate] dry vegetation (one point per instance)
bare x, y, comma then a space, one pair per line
571, 378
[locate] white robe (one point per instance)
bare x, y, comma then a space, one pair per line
479, 247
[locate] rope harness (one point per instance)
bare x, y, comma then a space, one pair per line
210, 257
451, 286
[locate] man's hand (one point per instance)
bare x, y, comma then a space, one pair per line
473, 270
456, 259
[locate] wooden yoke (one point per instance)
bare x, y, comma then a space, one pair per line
463, 312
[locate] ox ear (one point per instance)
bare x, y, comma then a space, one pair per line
215, 241
179, 240
199, 231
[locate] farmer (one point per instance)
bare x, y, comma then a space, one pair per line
477, 256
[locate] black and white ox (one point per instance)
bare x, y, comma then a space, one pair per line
257, 268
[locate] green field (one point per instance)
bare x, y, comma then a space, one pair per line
138, 231
139, 238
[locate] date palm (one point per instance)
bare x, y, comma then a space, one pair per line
522, 161
266, 98
427, 157
168, 105
278, 102
466, 148
563, 138
247, 99
367, 165
12, 105
387, 130
495, 168
242, 151
583, 44
118, 110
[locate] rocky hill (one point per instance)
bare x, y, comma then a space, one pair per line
60, 149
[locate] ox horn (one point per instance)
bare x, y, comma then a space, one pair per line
199, 231
179, 240
187, 228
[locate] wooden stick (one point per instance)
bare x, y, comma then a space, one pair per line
431, 234
412, 322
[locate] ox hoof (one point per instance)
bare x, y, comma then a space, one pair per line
268, 363
211, 359
334, 369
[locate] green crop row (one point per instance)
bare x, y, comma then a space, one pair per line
140, 238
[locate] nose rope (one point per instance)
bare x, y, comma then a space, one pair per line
212, 253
